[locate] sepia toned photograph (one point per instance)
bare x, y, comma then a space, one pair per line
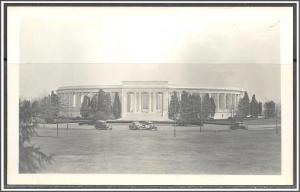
172, 91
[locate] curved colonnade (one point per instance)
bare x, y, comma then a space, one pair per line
146, 100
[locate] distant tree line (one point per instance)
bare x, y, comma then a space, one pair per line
270, 109
46, 108
100, 106
190, 107
254, 108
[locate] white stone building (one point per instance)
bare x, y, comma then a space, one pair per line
147, 100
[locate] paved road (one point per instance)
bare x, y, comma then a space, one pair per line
124, 126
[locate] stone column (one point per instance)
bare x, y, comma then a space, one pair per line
233, 101
67, 103
149, 101
137, 97
218, 102
134, 103
140, 101
70, 104
70, 95
124, 103
73, 100
224, 101
154, 102
230, 101
151, 98
78, 102
165, 104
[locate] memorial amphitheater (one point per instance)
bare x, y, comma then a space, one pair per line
147, 100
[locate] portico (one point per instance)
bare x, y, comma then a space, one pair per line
145, 99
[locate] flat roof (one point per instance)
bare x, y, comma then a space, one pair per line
147, 84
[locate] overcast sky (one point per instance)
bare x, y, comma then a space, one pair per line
205, 47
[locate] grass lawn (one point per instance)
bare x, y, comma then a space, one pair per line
262, 121
215, 150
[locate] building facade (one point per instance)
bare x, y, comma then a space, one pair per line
147, 100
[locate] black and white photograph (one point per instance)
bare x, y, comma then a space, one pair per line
150, 94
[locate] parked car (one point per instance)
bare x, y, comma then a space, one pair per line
135, 125
148, 125
181, 122
86, 122
102, 125
238, 125
145, 125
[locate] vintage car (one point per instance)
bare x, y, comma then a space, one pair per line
146, 125
238, 125
102, 125
181, 122
135, 125
86, 122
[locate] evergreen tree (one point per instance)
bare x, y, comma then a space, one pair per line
278, 110
174, 106
269, 109
244, 106
85, 109
53, 98
49, 107
212, 107
117, 106
247, 103
107, 104
190, 112
195, 102
36, 109
54, 105
260, 108
101, 105
206, 106
254, 106
185, 105
240, 112
44, 107
94, 104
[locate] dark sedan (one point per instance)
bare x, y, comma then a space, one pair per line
102, 125
238, 125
